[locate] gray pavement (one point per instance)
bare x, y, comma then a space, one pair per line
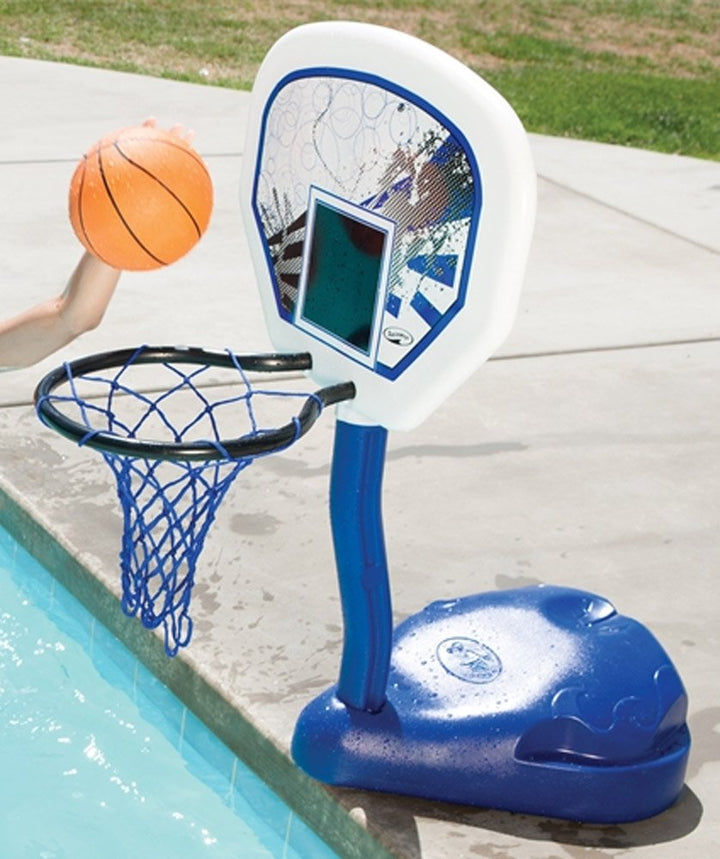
587, 454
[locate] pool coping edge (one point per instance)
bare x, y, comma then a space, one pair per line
319, 806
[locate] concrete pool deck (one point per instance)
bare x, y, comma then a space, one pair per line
586, 454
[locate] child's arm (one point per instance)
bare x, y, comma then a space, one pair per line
39, 331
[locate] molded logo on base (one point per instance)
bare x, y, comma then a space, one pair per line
469, 660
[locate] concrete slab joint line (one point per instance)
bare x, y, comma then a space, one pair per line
629, 214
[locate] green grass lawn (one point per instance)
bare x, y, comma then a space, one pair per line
638, 72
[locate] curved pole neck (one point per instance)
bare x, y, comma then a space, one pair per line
356, 519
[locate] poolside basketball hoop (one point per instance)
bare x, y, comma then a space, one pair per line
388, 196
175, 439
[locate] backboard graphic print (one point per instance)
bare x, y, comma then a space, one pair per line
371, 162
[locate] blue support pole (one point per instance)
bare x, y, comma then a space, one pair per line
356, 519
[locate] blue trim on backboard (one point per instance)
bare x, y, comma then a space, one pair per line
439, 320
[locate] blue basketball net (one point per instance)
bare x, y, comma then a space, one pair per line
170, 497
168, 508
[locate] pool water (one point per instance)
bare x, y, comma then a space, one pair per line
98, 758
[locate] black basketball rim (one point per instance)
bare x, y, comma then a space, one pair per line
243, 447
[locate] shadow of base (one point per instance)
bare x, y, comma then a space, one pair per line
395, 824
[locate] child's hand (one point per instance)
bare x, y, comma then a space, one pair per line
186, 134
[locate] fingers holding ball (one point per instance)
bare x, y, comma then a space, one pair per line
141, 198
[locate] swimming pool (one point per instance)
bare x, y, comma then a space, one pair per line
100, 759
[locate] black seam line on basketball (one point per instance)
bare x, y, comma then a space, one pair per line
162, 184
120, 214
141, 139
81, 219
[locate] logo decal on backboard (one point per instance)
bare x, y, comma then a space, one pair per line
398, 336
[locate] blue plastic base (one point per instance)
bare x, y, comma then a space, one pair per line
539, 700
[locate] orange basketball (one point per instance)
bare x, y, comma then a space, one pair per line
140, 198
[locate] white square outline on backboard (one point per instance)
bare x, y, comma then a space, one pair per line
318, 196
